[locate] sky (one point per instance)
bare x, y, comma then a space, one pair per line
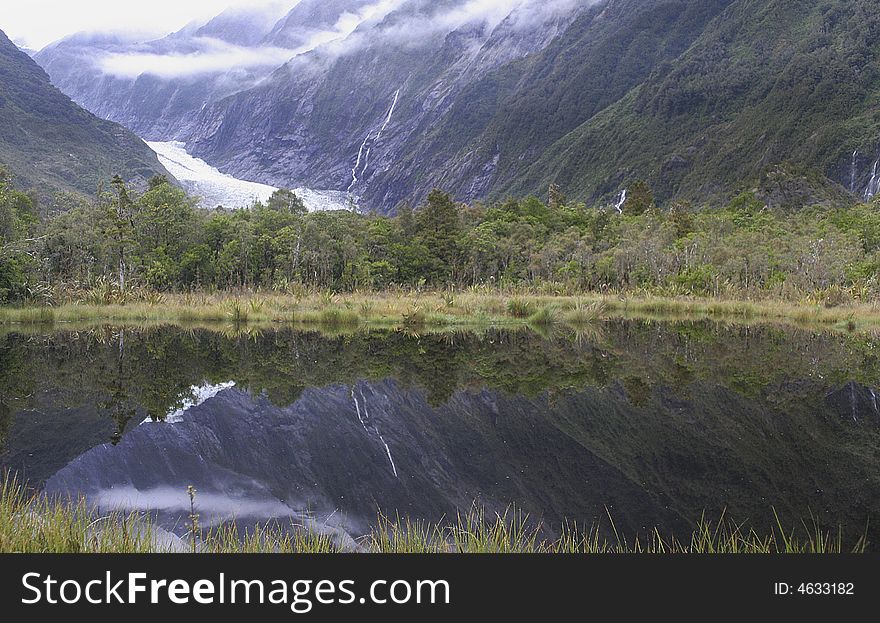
36, 23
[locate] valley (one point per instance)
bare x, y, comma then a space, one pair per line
309, 265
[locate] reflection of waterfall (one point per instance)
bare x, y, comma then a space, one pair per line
621, 199
874, 183
853, 171
363, 157
365, 420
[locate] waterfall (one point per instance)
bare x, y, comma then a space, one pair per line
390, 114
853, 171
621, 199
873, 184
364, 157
357, 164
382, 129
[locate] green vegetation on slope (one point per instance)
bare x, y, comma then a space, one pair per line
53, 145
765, 83
522, 109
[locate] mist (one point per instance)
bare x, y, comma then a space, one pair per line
391, 22
214, 56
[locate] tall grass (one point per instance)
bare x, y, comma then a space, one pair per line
32, 523
544, 317
35, 524
520, 307
404, 308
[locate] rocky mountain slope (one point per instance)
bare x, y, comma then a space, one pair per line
358, 117
50, 144
766, 82
153, 87
387, 99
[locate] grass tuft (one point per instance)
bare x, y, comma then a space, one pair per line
520, 308
545, 317
33, 523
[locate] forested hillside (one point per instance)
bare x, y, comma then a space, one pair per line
50, 144
767, 82
127, 244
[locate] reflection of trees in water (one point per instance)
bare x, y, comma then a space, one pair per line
5, 425
119, 403
150, 372
689, 411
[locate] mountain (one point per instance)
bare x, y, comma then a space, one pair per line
153, 87
362, 83
506, 120
389, 99
766, 82
49, 143
360, 115
697, 98
312, 21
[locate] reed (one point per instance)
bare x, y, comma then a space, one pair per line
415, 309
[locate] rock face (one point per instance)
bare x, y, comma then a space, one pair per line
51, 144
856, 402
389, 99
362, 116
353, 108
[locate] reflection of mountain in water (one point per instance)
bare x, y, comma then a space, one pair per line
658, 421
341, 454
255, 461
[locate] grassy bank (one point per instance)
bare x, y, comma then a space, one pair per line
33, 524
434, 309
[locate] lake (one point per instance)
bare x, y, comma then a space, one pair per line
652, 423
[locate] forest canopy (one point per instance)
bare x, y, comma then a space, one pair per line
161, 241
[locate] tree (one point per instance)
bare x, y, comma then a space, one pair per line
556, 198
17, 221
118, 215
439, 230
284, 200
681, 218
639, 199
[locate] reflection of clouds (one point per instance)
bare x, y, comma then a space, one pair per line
216, 508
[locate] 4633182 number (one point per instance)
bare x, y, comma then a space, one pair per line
815, 588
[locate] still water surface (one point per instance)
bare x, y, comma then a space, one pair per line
655, 422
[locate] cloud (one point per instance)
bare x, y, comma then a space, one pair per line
424, 21
40, 22
212, 57
390, 22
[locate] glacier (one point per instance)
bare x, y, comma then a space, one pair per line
214, 188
